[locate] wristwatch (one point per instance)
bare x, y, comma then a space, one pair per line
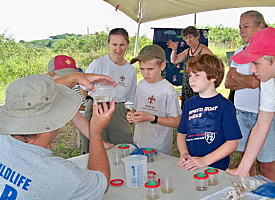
155, 121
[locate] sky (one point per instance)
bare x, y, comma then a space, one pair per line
34, 20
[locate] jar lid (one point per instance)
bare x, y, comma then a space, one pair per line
211, 171
152, 184
148, 150
124, 146
116, 182
201, 176
150, 173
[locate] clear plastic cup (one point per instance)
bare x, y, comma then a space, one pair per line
212, 176
150, 153
152, 190
103, 93
201, 181
167, 184
116, 157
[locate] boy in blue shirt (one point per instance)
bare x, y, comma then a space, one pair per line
208, 131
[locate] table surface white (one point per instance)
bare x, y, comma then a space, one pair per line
163, 165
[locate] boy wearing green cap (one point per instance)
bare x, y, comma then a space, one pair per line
156, 109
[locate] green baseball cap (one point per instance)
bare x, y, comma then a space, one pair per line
149, 52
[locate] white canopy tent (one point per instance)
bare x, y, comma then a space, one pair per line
143, 11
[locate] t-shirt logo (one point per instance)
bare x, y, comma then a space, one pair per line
122, 78
151, 99
209, 137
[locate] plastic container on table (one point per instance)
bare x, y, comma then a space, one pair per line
125, 150
150, 154
201, 181
213, 176
135, 170
152, 190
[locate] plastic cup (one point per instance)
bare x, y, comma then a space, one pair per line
201, 181
167, 184
116, 157
124, 149
152, 190
128, 105
150, 153
103, 93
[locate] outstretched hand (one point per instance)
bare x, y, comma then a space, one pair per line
87, 80
172, 45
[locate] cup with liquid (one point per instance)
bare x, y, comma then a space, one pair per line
201, 181
167, 184
103, 93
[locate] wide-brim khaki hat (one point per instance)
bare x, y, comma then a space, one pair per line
36, 104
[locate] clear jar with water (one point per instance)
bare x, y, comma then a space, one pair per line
150, 154
125, 150
201, 181
152, 190
213, 176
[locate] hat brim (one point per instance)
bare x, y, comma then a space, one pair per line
65, 71
142, 58
244, 57
61, 113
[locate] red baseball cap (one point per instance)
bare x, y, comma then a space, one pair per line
262, 43
62, 65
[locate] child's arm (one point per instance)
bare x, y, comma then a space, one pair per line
141, 116
224, 150
82, 124
184, 153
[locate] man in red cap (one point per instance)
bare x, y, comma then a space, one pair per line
261, 53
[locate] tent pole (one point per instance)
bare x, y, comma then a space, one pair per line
136, 42
139, 20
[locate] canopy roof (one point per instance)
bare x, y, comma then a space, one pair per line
151, 10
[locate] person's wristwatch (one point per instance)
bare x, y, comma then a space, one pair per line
155, 121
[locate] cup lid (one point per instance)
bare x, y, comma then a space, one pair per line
201, 176
152, 184
116, 182
124, 146
211, 171
150, 173
148, 150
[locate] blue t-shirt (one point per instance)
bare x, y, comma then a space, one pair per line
209, 123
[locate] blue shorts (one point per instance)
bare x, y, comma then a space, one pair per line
246, 121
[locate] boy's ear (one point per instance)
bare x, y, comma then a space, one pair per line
163, 65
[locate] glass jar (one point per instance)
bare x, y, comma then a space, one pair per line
150, 153
125, 150
213, 176
152, 190
201, 181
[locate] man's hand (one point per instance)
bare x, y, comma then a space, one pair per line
101, 116
84, 79
87, 79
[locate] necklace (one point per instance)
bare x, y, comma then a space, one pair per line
195, 49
